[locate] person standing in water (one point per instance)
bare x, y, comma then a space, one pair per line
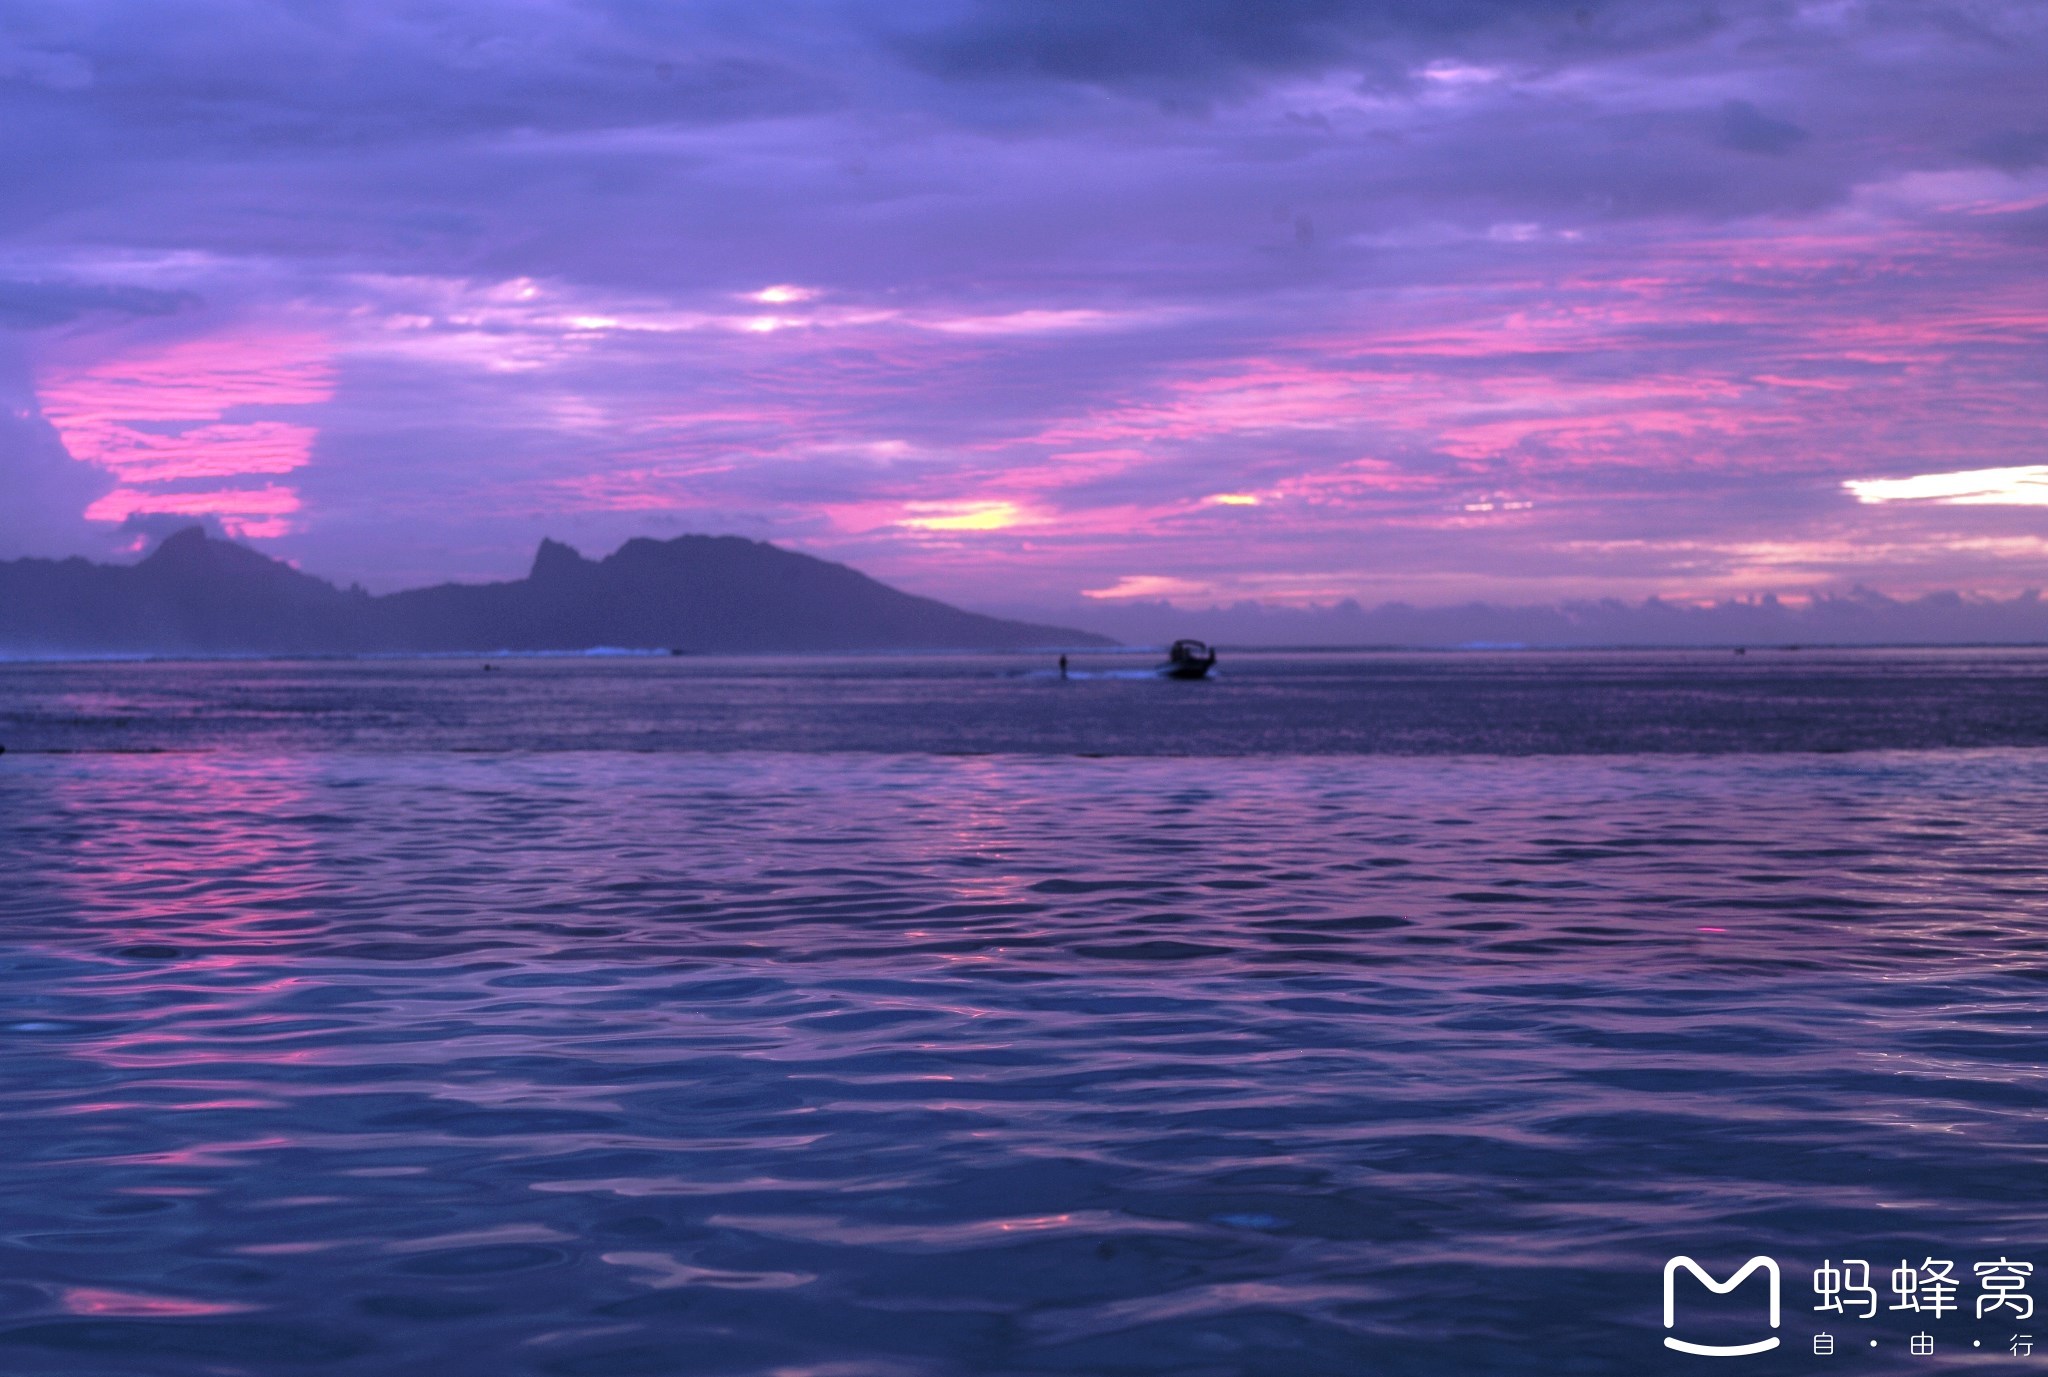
1063, 666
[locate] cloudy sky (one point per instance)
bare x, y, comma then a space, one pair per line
1017, 301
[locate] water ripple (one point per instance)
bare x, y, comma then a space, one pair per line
607, 1063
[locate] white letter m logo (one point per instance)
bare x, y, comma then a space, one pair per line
1719, 1288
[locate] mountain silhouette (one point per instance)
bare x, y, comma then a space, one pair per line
197, 595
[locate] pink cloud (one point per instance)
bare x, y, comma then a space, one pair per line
179, 415
251, 513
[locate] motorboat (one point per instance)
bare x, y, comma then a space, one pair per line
1189, 659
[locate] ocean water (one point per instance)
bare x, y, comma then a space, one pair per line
1368, 1014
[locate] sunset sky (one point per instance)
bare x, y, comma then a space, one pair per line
1020, 301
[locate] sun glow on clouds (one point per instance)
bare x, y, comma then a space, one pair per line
2024, 486
176, 424
1149, 586
963, 516
1459, 74
1026, 322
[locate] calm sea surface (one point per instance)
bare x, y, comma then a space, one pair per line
884, 1018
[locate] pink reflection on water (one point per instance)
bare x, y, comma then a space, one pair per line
232, 820
94, 1300
178, 927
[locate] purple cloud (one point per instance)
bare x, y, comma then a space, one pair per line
1016, 301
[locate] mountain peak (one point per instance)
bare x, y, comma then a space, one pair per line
182, 544
193, 551
554, 560
197, 592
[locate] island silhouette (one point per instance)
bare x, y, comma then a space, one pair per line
197, 595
